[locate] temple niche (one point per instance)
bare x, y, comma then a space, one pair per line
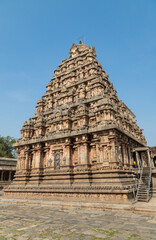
79, 142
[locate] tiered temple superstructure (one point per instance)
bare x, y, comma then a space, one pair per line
79, 141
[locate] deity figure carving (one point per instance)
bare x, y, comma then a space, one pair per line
57, 160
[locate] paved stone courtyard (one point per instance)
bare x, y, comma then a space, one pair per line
24, 221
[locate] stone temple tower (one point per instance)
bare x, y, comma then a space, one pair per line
80, 140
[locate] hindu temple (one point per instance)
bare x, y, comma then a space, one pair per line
82, 139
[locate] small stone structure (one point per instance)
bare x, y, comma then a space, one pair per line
7, 170
79, 142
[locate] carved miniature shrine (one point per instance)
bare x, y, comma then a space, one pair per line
79, 142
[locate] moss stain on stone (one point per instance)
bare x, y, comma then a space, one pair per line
133, 236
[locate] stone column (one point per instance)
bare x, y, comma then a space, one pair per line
68, 152
108, 115
10, 176
38, 156
113, 159
122, 155
33, 159
131, 158
105, 158
126, 155
97, 152
138, 160
46, 159
41, 164
84, 153
52, 158
26, 160
68, 155
23, 163
61, 158
78, 153
2, 174
18, 166
116, 152
104, 116
149, 158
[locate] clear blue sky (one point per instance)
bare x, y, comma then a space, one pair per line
35, 35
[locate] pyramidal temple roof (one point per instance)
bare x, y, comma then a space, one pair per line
79, 99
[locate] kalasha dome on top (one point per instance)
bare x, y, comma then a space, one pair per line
79, 142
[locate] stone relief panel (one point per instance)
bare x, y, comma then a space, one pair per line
49, 162
57, 160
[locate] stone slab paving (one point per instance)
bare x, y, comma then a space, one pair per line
23, 221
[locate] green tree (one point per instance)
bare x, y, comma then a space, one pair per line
6, 147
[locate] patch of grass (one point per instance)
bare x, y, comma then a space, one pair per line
133, 236
15, 235
58, 236
109, 232
98, 238
3, 237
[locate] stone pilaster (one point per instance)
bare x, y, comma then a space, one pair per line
68, 152
97, 153
27, 159
46, 160
131, 160
84, 153
126, 157
10, 174
113, 161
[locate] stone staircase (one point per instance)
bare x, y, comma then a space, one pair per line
144, 186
